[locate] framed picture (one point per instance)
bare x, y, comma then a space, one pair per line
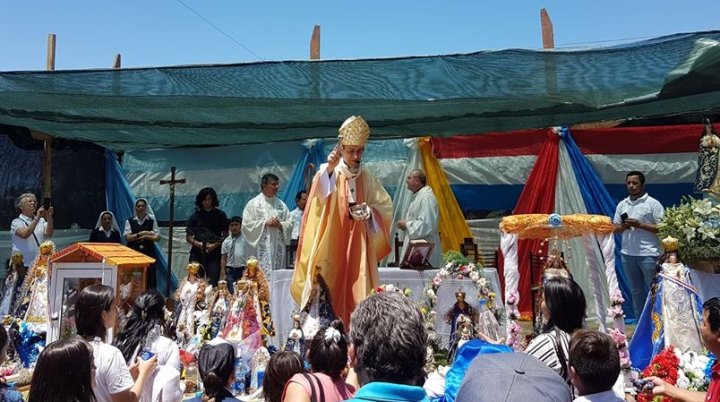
417, 254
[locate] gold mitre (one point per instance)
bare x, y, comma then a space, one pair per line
252, 262
193, 268
670, 244
354, 131
222, 285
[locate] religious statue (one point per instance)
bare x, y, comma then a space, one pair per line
125, 291
555, 266
258, 365
186, 298
460, 309
672, 313
37, 308
219, 310
17, 273
707, 179
318, 311
243, 320
256, 275
201, 314
463, 332
296, 338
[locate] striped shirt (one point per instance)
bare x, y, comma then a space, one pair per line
545, 348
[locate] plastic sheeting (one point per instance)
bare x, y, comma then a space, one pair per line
400, 97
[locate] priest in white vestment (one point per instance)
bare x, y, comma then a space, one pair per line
422, 217
267, 225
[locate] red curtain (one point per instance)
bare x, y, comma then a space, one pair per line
537, 197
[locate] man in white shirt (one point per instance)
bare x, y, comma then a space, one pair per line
637, 218
267, 225
422, 216
29, 229
234, 253
297, 213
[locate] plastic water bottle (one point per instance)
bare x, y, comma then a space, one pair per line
146, 351
238, 387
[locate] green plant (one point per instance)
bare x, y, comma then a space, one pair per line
695, 224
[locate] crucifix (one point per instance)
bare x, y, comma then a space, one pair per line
172, 182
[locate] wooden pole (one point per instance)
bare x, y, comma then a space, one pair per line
548, 36
48, 140
51, 52
548, 39
117, 62
315, 44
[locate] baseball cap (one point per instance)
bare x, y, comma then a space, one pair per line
512, 377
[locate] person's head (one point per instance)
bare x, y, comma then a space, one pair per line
563, 305
235, 225
65, 371
147, 312
710, 329
328, 352
594, 361
353, 135
301, 199
635, 183
388, 339
207, 199
416, 180
95, 311
26, 203
281, 367
141, 208
352, 155
269, 185
106, 220
216, 363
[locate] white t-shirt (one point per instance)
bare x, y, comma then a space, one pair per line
111, 375
164, 384
236, 254
606, 396
297, 215
28, 247
635, 241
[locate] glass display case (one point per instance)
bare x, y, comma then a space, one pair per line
85, 264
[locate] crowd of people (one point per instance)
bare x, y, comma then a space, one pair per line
344, 220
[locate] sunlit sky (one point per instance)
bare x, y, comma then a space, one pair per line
180, 32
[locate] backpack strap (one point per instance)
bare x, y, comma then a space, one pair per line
315, 384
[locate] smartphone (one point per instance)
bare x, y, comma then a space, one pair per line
624, 217
46, 203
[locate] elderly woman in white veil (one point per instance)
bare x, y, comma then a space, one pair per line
106, 229
141, 232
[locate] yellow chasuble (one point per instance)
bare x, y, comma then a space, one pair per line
345, 250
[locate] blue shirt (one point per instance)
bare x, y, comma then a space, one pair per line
391, 392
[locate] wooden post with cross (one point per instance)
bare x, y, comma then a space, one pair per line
172, 182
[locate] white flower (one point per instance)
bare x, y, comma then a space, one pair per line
390, 288
474, 276
689, 232
682, 381
443, 273
703, 207
482, 282
706, 231
431, 293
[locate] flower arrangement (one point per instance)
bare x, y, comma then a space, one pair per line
513, 328
621, 341
616, 301
664, 366
696, 225
694, 370
393, 288
457, 266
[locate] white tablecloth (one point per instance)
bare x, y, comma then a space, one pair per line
282, 305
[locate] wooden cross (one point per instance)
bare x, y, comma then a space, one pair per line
172, 182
